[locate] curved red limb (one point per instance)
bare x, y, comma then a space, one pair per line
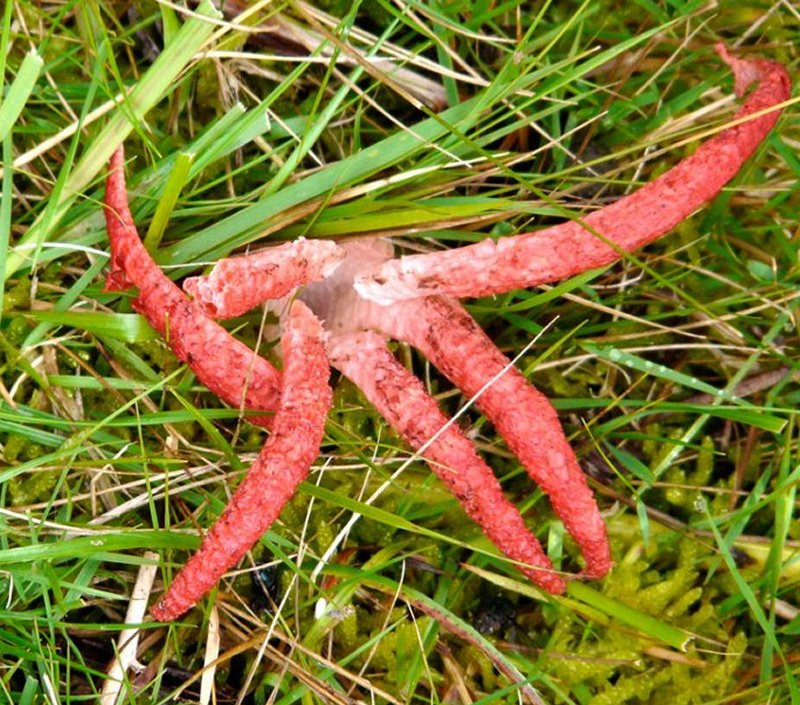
448, 336
400, 397
227, 367
282, 465
237, 284
569, 248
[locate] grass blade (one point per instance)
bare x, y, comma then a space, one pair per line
14, 102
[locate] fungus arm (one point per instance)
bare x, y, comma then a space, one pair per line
448, 336
600, 238
237, 284
227, 367
273, 478
400, 397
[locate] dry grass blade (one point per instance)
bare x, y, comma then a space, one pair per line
128, 642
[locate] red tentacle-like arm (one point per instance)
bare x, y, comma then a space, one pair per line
233, 369
570, 248
400, 397
238, 284
454, 343
271, 481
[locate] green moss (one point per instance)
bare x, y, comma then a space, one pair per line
346, 632
33, 488
14, 447
324, 536
354, 414
398, 646
18, 297
684, 496
639, 686
15, 333
668, 581
478, 663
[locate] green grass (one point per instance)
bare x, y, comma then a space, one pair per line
675, 372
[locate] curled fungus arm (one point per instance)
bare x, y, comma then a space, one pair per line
227, 367
237, 284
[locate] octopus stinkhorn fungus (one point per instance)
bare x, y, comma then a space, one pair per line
356, 295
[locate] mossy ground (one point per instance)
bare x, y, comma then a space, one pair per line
110, 446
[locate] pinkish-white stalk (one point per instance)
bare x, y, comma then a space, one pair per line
603, 236
238, 284
449, 337
273, 478
400, 397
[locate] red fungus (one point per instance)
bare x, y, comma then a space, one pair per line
455, 344
282, 465
569, 248
436, 325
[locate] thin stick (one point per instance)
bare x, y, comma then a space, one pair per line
128, 641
